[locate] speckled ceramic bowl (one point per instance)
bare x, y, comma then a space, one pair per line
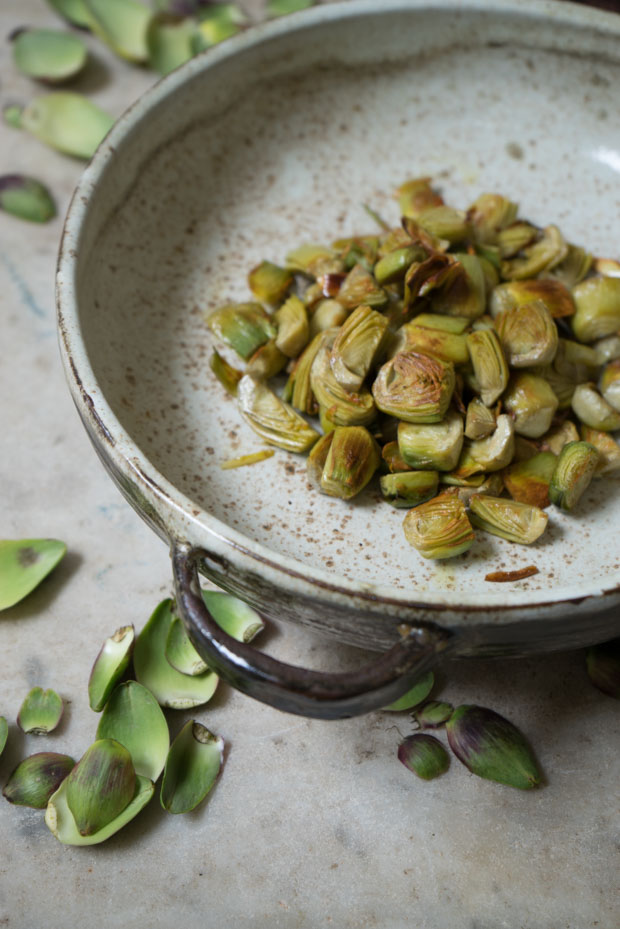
275, 138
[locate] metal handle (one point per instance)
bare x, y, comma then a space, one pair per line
287, 687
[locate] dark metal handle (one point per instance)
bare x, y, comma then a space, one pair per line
293, 689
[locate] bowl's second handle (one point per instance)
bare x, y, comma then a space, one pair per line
293, 689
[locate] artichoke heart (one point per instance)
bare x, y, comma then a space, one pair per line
528, 334
490, 454
609, 384
318, 457
352, 458
433, 273
489, 364
291, 321
269, 283
597, 301
607, 349
480, 421
531, 402
509, 519
272, 419
267, 361
606, 446
360, 287
417, 196
409, 488
554, 294
434, 340
555, 440
593, 410
314, 260
343, 407
465, 295
243, 327
393, 266
573, 268
392, 458
302, 398
575, 468
528, 481
439, 528
488, 215
356, 346
547, 252
432, 446
445, 222
414, 387
515, 238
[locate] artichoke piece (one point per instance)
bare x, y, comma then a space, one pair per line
572, 358
516, 237
409, 488
574, 267
573, 473
416, 197
327, 424
445, 222
68, 122
360, 287
435, 272
100, 786
192, 767
509, 519
490, 454
110, 665
267, 361
393, 459
606, 446
314, 260
74, 11
488, 215
492, 485
531, 402
216, 23
180, 652
275, 421
452, 324
436, 341
344, 408
432, 446
59, 818
358, 250
269, 283
24, 563
547, 252
480, 421
424, 755
318, 457
554, 294
48, 55
134, 718
302, 398
36, 778
243, 327
608, 267
414, 387
528, 481
597, 300
328, 314
439, 528
170, 41
528, 335
121, 24
356, 346
352, 458
609, 384
607, 349
525, 448
236, 617
40, 712
228, 376
291, 321
489, 364
465, 295
555, 440
393, 266
593, 410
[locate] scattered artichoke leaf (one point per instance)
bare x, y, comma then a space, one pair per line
68, 122
40, 712
192, 767
110, 665
23, 565
133, 717
36, 778
49, 55
60, 821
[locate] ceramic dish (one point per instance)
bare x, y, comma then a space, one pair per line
277, 137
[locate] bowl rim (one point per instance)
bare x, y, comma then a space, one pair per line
179, 516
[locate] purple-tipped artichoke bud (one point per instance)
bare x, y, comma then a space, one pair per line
603, 666
433, 715
424, 755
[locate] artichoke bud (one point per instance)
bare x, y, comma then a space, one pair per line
480, 421
327, 314
36, 778
448, 346
432, 446
603, 667
424, 755
439, 528
492, 747
343, 407
228, 376
393, 265
273, 420
356, 346
528, 481
573, 268
491, 454
352, 458
414, 387
545, 253
291, 321
445, 222
416, 197
100, 786
555, 440
360, 287
433, 715
242, 327
394, 461
509, 519
606, 446
555, 296
488, 215
318, 457
489, 364
514, 238
409, 488
528, 335
597, 301
314, 260
465, 294
532, 404
609, 384
593, 410
269, 283
267, 361
574, 470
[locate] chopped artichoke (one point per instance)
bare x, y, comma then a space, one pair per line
555, 440
452, 324
492, 485
528, 481
524, 448
489, 364
434, 340
360, 287
358, 250
417, 196
514, 238
273, 420
445, 222
291, 321
393, 460
432, 446
607, 349
344, 408
528, 334
488, 215
531, 402
490, 454
466, 294
327, 423
597, 300
606, 446
318, 457
269, 283
609, 384
356, 346
480, 421
414, 387
435, 272
327, 314
554, 294
314, 260
352, 458
409, 488
509, 519
267, 361
302, 398
228, 376
547, 252
573, 473
573, 268
608, 267
593, 410
243, 327
393, 266
439, 528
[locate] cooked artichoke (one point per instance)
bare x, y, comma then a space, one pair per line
607, 349
414, 387
531, 402
609, 384
228, 376
491, 485
360, 287
488, 215
514, 238
528, 334
573, 473
356, 346
267, 361
302, 398
343, 407
444, 222
394, 461
547, 252
327, 314
269, 283
318, 457
554, 294
314, 260
272, 419
416, 197
606, 446
465, 295
409, 488
439, 528
608, 267
352, 458
243, 327
528, 481
555, 440
479, 421
489, 364
597, 300
436, 272
509, 519
573, 268
434, 340
490, 454
432, 446
291, 321
393, 266
593, 410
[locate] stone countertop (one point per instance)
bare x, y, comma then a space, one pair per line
311, 824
